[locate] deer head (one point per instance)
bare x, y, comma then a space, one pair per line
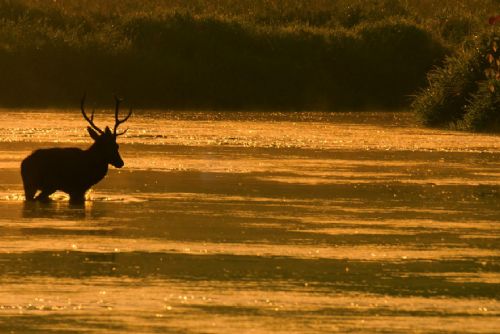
105, 141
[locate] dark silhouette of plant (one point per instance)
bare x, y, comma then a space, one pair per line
492, 72
483, 111
465, 92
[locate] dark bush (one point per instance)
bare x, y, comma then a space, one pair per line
51, 52
483, 112
392, 60
460, 94
443, 102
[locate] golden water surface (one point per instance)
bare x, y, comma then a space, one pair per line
256, 223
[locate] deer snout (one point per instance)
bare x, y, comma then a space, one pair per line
116, 160
118, 163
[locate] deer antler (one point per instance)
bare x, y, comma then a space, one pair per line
91, 119
120, 121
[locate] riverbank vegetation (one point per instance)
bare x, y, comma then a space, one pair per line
230, 54
465, 92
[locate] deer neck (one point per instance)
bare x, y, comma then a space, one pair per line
97, 159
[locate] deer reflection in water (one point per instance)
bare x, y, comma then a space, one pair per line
73, 170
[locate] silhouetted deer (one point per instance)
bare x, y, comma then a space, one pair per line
73, 170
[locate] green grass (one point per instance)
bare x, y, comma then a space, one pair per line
229, 54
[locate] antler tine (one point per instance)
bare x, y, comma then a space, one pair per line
122, 133
91, 119
119, 121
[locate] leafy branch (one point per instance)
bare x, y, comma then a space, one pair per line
492, 72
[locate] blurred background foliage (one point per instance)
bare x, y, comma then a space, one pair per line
239, 54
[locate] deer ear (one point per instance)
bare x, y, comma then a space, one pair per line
92, 133
107, 131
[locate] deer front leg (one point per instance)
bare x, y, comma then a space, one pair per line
29, 193
77, 198
44, 195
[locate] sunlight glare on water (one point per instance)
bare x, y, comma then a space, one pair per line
255, 223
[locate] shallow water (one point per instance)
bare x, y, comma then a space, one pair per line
256, 223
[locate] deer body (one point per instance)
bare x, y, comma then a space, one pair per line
72, 170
